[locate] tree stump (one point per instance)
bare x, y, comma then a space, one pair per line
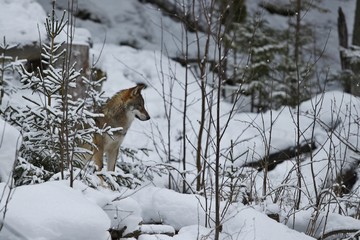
78, 55
349, 56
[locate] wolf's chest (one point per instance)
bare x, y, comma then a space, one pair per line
114, 141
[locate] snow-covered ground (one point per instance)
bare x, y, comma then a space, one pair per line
53, 210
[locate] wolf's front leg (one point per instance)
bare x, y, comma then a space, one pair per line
98, 158
112, 156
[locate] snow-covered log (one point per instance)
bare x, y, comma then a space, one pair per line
283, 155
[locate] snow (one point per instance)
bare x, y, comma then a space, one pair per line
183, 210
325, 222
55, 211
161, 205
10, 141
193, 232
246, 223
52, 211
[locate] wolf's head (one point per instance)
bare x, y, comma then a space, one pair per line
135, 103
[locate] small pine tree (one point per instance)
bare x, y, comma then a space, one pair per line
55, 126
261, 44
271, 77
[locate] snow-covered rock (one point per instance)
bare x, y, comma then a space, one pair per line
157, 229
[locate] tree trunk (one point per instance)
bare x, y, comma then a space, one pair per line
342, 29
356, 31
355, 83
348, 62
343, 42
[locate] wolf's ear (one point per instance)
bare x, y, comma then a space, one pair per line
136, 90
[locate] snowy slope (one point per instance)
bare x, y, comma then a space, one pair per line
26, 27
144, 26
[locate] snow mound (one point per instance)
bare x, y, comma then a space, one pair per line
247, 223
165, 206
194, 232
52, 211
324, 223
10, 140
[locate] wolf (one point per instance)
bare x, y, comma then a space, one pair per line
118, 112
